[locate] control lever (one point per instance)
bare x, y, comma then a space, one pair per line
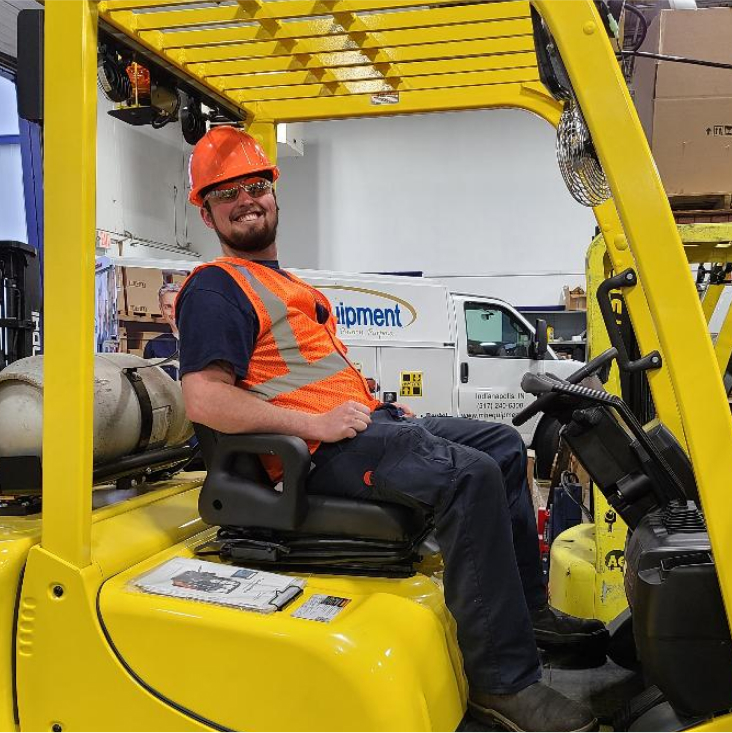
605, 398
536, 384
587, 370
625, 279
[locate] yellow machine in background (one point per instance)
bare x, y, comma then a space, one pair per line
87, 650
587, 560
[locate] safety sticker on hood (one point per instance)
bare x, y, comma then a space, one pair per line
321, 608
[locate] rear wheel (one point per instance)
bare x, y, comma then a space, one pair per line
546, 443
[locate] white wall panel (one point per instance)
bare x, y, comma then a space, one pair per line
468, 193
458, 194
142, 183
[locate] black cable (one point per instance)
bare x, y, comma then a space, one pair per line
642, 24
677, 59
160, 121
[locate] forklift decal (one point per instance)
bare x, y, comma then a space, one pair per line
615, 560
410, 384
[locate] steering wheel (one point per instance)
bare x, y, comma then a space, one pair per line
541, 386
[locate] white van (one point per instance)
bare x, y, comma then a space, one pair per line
441, 352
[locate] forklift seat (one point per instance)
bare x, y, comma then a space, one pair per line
286, 527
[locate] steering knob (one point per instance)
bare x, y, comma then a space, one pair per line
536, 384
542, 386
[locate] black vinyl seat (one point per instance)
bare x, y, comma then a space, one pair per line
287, 527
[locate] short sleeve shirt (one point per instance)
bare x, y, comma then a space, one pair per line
217, 321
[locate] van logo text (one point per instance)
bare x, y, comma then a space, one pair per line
348, 316
393, 315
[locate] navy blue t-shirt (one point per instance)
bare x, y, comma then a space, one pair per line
217, 322
163, 347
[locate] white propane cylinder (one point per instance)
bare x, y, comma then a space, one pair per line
117, 412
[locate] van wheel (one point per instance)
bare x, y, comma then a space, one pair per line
546, 443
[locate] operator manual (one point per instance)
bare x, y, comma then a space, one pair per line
223, 585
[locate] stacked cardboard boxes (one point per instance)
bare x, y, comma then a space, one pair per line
685, 109
139, 319
141, 287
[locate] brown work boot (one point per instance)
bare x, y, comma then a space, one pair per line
535, 708
554, 630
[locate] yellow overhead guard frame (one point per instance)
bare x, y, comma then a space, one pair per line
302, 60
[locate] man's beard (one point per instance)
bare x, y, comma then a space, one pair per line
254, 240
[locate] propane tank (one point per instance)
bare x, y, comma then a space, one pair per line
134, 410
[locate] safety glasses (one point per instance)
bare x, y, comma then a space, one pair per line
254, 187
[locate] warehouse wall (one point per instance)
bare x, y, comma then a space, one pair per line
460, 194
475, 193
141, 179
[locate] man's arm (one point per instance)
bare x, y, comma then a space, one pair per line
212, 399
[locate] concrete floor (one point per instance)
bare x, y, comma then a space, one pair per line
604, 687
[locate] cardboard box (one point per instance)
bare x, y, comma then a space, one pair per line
575, 299
685, 109
692, 145
141, 290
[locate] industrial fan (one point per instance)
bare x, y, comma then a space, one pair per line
578, 162
576, 154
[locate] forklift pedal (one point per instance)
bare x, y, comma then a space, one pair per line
637, 707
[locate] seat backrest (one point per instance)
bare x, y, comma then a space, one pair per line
238, 492
246, 465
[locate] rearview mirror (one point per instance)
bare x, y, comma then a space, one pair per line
540, 341
29, 78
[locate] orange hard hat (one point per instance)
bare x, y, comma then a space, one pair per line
222, 154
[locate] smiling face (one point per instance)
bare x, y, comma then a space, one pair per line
246, 225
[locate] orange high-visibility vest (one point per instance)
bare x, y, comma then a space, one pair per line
297, 363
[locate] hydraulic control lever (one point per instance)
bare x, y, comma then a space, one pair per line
625, 279
548, 387
595, 366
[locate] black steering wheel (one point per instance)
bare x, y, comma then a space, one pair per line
540, 386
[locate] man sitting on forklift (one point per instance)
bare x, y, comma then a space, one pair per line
259, 354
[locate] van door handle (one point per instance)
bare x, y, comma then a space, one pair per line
464, 372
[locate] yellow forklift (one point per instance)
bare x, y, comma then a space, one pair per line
87, 648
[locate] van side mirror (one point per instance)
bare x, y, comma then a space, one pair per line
540, 342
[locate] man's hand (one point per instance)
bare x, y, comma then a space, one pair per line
406, 411
345, 421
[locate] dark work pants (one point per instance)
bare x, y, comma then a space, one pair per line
473, 474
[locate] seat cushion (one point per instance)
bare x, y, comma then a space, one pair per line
337, 517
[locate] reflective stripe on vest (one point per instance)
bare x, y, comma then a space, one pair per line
301, 372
